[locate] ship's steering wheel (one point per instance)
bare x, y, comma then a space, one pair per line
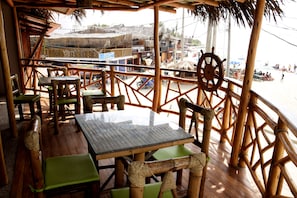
210, 71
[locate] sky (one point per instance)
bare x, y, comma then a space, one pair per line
277, 43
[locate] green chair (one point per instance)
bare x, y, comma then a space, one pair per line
150, 191
61, 174
181, 150
139, 171
19, 99
101, 92
90, 101
54, 72
66, 96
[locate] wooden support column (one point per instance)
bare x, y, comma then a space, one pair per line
157, 81
9, 98
247, 136
3, 171
119, 173
18, 34
247, 81
6, 77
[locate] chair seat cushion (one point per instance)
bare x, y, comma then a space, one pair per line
69, 170
94, 92
150, 191
66, 101
172, 152
26, 98
49, 88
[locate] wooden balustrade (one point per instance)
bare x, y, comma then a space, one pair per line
261, 148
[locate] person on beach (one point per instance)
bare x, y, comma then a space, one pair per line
283, 75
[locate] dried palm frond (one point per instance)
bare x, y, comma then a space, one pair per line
243, 13
78, 14
37, 12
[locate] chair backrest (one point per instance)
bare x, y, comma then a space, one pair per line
196, 110
57, 71
16, 90
66, 90
90, 101
138, 171
32, 140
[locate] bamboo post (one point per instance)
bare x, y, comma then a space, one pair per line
247, 136
157, 81
112, 80
119, 173
6, 76
278, 152
3, 171
226, 114
18, 35
247, 81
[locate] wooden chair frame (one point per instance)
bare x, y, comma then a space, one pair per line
138, 171
90, 101
96, 92
20, 98
33, 142
54, 72
185, 108
65, 92
57, 71
208, 115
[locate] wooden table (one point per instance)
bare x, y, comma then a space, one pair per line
47, 81
132, 131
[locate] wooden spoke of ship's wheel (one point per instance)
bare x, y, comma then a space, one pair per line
210, 71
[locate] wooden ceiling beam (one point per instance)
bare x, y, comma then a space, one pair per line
181, 5
166, 9
207, 2
118, 2
103, 5
115, 9
10, 3
34, 28
45, 5
156, 3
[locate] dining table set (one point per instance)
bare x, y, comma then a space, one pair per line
133, 132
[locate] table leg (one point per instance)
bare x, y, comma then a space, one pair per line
120, 169
119, 173
139, 157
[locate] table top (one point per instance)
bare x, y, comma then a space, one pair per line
131, 131
46, 81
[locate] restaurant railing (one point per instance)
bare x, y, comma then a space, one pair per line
269, 147
269, 144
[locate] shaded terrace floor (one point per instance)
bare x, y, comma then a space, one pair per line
221, 181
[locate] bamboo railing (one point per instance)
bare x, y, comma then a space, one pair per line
268, 148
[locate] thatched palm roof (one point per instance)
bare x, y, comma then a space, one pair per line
242, 12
